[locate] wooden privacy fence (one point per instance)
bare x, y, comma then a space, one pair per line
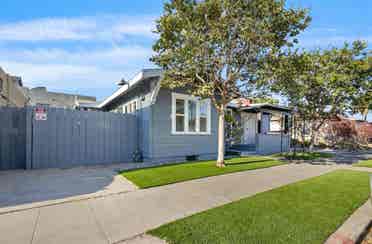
60, 138
12, 138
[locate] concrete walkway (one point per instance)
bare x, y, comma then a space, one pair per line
122, 217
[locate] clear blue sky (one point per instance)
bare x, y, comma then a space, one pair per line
86, 46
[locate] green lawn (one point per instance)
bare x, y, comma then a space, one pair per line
364, 163
304, 212
305, 155
163, 175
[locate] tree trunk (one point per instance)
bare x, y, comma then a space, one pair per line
312, 142
221, 137
303, 136
314, 131
295, 137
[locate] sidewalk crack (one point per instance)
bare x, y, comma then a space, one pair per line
100, 227
35, 225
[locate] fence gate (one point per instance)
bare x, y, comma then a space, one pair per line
12, 138
36, 138
66, 138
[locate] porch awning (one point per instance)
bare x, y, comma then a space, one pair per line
261, 106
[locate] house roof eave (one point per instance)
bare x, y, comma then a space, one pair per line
140, 77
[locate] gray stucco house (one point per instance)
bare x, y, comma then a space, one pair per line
176, 126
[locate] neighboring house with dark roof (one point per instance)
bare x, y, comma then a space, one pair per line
173, 125
11, 90
264, 128
41, 96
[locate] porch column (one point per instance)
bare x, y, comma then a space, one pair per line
265, 123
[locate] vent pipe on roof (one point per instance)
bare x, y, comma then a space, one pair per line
122, 82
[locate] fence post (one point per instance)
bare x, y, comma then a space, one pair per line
29, 140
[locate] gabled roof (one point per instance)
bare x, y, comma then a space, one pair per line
152, 73
140, 77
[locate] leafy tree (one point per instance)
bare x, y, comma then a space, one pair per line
265, 99
215, 48
322, 84
362, 102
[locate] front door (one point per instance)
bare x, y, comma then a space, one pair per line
249, 128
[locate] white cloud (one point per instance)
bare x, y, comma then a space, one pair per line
86, 79
94, 72
330, 41
114, 56
323, 37
86, 54
94, 28
62, 76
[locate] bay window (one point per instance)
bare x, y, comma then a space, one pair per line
190, 115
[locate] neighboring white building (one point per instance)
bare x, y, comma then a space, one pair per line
41, 96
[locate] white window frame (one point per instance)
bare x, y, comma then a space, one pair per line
131, 106
280, 115
186, 131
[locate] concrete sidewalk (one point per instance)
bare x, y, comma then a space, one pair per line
120, 217
22, 189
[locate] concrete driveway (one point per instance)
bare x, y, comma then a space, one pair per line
118, 217
24, 189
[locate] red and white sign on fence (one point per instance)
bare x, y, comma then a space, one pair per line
41, 113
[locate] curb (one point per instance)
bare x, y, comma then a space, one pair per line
25, 207
352, 230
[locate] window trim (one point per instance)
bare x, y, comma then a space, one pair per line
186, 131
131, 107
280, 120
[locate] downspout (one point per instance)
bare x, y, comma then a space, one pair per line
259, 131
281, 135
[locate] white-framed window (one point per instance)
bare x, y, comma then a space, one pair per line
130, 107
190, 115
275, 123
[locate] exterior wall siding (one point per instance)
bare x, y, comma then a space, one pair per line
142, 94
272, 143
165, 145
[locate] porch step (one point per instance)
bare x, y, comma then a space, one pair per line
247, 153
243, 149
241, 153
